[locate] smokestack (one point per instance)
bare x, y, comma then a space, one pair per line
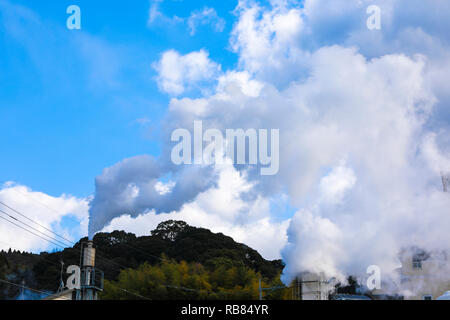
91, 278
89, 255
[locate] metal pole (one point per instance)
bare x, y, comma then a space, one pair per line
260, 290
23, 289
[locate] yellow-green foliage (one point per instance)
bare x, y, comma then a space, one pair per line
172, 280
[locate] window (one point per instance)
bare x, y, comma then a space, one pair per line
418, 257
428, 297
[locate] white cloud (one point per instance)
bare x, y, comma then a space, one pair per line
197, 18
164, 188
178, 73
268, 41
155, 15
154, 12
239, 82
337, 183
207, 16
46, 210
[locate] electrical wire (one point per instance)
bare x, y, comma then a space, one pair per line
40, 225
71, 242
133, 293
28, 288
59, 244
107, 261
37, 230
100, 258
72, 219
19, 226
40, 257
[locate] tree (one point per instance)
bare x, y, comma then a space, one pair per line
169, 230
172, 280
4, 266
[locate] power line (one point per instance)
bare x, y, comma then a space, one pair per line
40, 225
40, 257
116, 265
105, 259
113, 284
21, 214
25, 287
70, 218
64, 244
59, 245
60, 242
52, 262
29, 231
50, 208
34, 199
119, 268
37, 230
43, 205
133, 293
194, 290
49, 293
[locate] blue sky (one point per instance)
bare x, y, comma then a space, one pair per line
76, 101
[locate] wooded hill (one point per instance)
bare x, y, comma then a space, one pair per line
173, 244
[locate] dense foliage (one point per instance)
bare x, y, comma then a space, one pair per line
15, 268
172, 280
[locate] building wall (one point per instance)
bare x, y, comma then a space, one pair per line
430, 277
314, 287
65, 295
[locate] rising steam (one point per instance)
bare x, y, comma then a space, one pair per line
133, 187
362, 140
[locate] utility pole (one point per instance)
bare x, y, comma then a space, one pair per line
23, 289
260, 290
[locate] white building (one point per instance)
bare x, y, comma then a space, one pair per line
312, 286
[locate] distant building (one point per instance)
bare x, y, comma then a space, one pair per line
425, 275
445, 296
63, 295
312, 286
